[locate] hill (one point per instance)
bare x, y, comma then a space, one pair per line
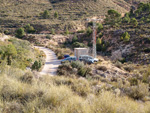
15, 13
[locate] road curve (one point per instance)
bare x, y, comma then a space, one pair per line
51, 62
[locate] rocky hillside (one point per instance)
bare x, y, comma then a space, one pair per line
15, 13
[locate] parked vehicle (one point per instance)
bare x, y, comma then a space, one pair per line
66, 56
88, 59
69, 59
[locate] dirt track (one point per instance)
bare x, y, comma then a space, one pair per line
51, 62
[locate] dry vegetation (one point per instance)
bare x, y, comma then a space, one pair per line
14, 14
61, 95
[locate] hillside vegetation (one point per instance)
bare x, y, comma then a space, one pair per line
19, 54
15, 13
21, 92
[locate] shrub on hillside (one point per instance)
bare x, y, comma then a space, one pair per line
138, 92
134, 22
27, 78
29, 28
74, 39
113, 17
89, 31
102, 45
100, 27
45, 14
20, 32
56, 15
78, 44
76, 67
53, 31
126, 19
146, 76
125, 36
102, 68
36, 65
77, 64
67, 31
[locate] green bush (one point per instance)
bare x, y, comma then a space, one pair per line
89, 31
29, 28
134, 22
78, 44
113, 17
77, 64
36, 65
125, 37
56, 15
20, 32
53, 31
126, 19
45, 14
74, 39
80, 31
100, 27
102, 45
84, 71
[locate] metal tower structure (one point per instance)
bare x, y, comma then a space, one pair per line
94, 39
94, 50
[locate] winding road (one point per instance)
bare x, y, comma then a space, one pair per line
51, 62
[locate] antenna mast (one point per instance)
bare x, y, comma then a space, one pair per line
94, 39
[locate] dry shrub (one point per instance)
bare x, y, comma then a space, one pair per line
102, 68
74, 104
55, 95
81, 87
13, 107
27, 78
138, 92
15, 90
128, 68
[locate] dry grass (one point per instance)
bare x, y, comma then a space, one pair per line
61, 95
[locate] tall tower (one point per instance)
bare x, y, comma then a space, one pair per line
94, 39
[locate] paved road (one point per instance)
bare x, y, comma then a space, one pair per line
51, 63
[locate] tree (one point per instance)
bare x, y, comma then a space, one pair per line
10, 51
89, 31
56, 15
46, 14
20, 32
74, 39
134, 22
100, 27
113, 17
